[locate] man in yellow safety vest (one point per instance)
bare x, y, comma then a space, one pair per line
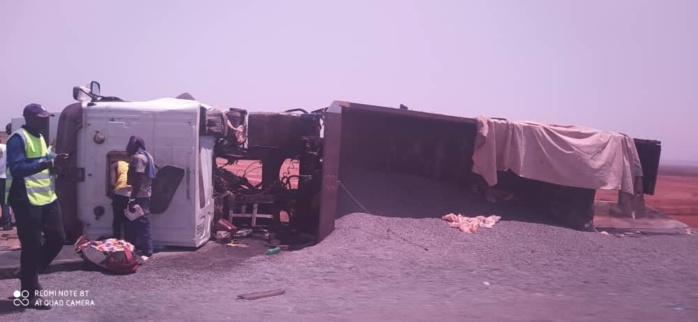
29, 191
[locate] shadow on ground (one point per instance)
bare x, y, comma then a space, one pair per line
409, 196
7, 306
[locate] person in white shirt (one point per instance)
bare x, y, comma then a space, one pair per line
5, 220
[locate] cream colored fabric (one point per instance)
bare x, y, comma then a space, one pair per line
565, 155
470, 224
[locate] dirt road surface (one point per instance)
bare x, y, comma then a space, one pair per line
515, 271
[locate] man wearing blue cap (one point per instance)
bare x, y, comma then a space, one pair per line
30, 192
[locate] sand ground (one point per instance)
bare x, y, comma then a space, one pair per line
516, 271
676, 194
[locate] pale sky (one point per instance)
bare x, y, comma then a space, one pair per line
621, 65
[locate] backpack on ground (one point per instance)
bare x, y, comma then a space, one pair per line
122, 262
113, 255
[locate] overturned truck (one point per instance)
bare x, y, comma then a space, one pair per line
336, 154
521, 170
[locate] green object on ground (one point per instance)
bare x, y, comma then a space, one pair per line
273, 251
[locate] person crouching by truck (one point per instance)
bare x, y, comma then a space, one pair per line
30, 192
141, 172
121, 192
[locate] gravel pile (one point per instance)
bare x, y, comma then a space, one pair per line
376, 268
407, 196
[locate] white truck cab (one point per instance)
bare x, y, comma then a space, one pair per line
95, 132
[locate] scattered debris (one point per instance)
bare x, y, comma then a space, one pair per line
486, 283
236, 243
283, 247
689, 231
261, 233
225, 225
604, 233
470, 224
273, 251
243, 233
259, 295
223, 237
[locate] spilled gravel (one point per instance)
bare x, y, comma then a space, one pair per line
404, 264
515, 271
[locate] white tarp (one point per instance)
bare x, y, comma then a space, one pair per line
564, 155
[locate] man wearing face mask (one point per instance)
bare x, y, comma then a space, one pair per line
30, 192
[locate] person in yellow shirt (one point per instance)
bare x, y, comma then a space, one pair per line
120, 197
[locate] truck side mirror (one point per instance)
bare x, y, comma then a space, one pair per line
95, 88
